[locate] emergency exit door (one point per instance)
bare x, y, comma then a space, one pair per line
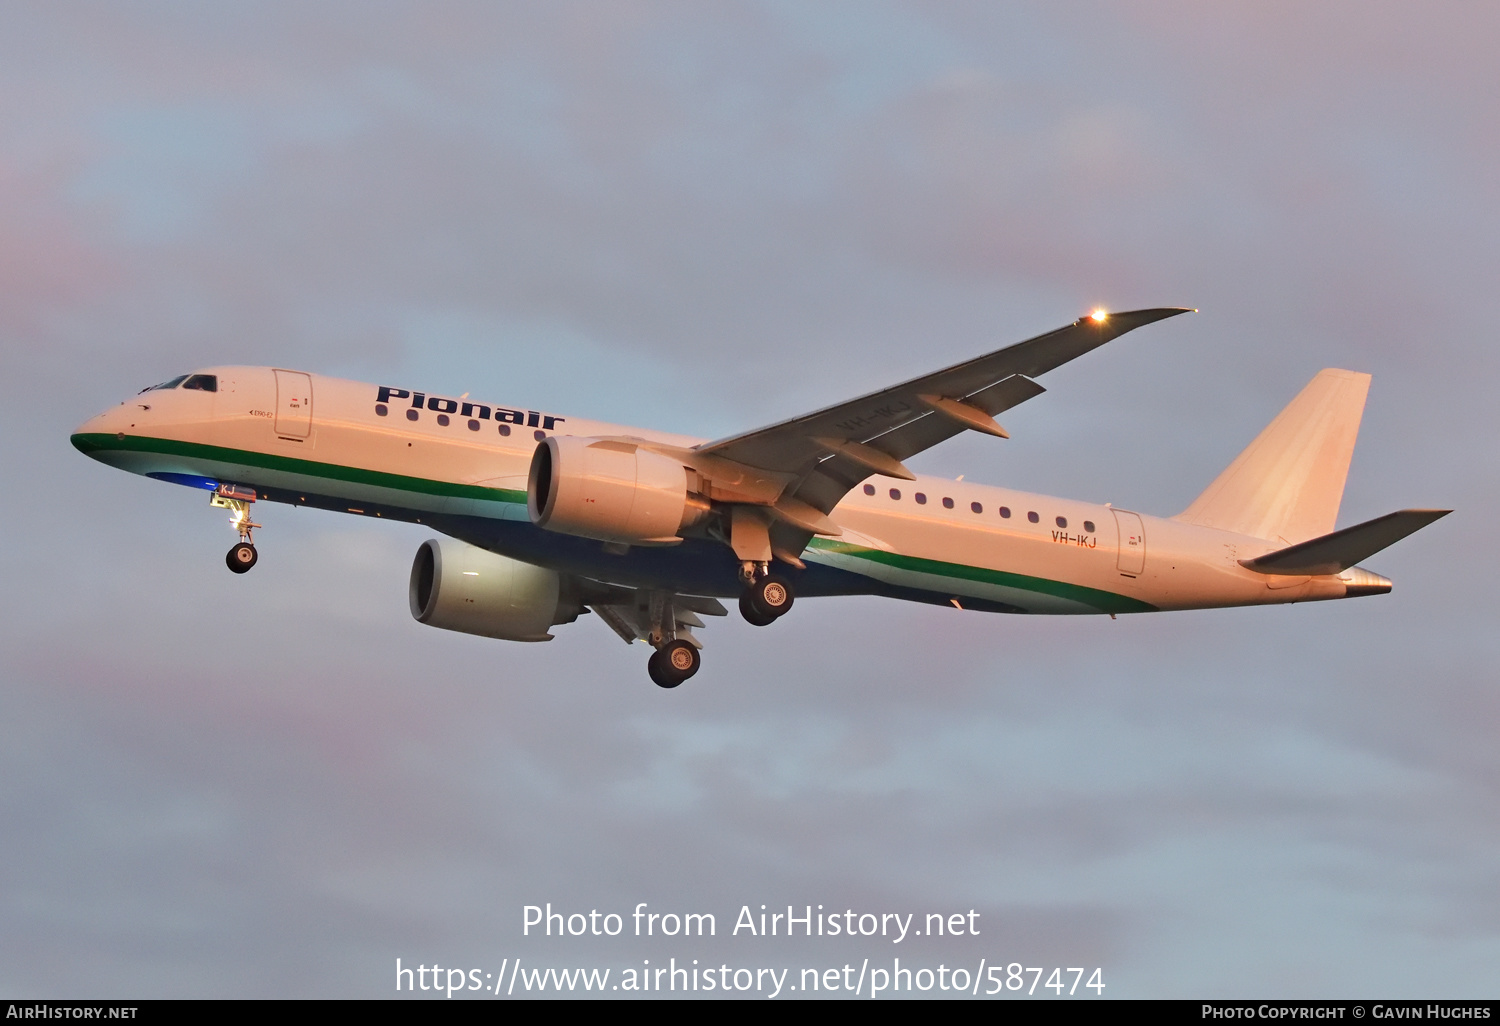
293, 404
1132, 559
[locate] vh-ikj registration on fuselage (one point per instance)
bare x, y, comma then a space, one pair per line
547, 516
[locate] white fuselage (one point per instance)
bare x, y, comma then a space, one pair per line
461, 466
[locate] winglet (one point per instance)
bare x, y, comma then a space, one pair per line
1132, 319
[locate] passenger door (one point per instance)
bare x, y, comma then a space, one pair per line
293, 405
1132, 558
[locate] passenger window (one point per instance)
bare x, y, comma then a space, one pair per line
921, 499
473, 425
1033, 517
947, 502
1005, 512
869, 489
202, 382
895, 493
380, 410
442, 420
1062, 522
1088, 525
411, 414
976, 507
539, 434
504, 429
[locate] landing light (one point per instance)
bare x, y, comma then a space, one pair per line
1099, 316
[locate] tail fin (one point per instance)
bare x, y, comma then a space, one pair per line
1287, 485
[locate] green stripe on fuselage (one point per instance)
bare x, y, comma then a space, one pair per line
90, 444
1104, 601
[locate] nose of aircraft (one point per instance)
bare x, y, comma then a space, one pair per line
89, 437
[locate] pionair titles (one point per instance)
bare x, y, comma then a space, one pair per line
474, 412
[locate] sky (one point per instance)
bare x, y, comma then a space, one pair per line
703, 217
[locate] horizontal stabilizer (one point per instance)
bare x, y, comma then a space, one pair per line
1340, 550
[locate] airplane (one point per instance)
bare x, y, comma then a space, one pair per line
544, 518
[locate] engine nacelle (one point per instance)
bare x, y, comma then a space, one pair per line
458, 587
611, 490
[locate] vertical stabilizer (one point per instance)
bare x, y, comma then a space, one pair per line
1287, 485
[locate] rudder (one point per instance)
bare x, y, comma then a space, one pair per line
1287, 484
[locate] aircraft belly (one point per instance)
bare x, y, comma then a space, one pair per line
695, 567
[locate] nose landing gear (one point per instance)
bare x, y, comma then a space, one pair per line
237, 500
242, 557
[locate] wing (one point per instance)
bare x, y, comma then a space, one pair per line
829, 452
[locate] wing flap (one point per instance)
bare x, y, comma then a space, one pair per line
1005, 393
611, 616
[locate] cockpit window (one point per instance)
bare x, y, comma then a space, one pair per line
203, 382
179, 379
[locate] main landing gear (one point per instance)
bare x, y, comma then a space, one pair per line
665, 620
670, 632
766, 597
237, 500
673, 663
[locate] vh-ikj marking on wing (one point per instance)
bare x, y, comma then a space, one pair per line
545, 517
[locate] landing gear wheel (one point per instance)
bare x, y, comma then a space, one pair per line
771, 596
673, 663
752, 613
242, 557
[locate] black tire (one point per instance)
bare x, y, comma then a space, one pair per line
673, 663
771, 596
661, 676
752, 613
241, 558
